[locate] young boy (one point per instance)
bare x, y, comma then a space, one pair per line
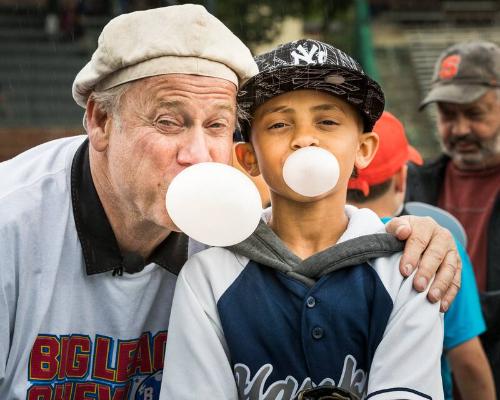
299, 304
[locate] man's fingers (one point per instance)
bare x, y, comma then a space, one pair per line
453, 289
437, 255
399, 227
416, 245
431, 248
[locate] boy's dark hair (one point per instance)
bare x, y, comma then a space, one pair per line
376, 191
310, 64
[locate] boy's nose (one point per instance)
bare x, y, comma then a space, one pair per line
304, 140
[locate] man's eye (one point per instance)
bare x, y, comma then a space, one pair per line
218, 125
166, 122
167, 125
475, 115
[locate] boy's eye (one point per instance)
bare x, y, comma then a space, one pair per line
277, 125
328, 122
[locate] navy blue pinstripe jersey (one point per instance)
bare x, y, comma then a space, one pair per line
241, 329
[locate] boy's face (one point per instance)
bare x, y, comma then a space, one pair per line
299, 119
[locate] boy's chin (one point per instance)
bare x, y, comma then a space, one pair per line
300, 198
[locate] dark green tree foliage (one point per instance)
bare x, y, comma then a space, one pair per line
259, 21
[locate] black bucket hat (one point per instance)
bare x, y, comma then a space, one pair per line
311, 64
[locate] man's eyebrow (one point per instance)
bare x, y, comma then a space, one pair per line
176, 104
226, 106
170, 104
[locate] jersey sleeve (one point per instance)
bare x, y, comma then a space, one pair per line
464, 320
406, 364
4, 328
196, 358
7, 298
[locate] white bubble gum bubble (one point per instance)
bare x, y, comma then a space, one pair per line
214, 204
311, 171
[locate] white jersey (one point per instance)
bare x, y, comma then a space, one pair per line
247, 329
65, 334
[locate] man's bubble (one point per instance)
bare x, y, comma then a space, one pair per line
311, 171
214, 204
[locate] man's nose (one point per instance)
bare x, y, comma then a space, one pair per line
304, 138
460, 126
194, 148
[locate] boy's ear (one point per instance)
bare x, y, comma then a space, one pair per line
368, 145
247, 159
98, 124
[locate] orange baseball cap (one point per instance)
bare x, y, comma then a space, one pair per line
393, 152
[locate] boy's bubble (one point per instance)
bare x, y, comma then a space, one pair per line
311, 171
214, 203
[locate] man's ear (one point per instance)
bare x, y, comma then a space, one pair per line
98, 124
368, 145
247, 159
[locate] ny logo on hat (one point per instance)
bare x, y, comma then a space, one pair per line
307, 56
449, 66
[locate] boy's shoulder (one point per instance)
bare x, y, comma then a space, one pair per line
210, 272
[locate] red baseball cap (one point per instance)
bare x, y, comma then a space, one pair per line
393, 152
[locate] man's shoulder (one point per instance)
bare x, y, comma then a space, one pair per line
37, 164
424, 182
36, 181
429, 168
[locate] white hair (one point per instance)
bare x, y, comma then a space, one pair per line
109, 101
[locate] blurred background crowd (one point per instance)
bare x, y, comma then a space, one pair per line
43, 43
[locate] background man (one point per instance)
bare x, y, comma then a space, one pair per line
465, 180
89, 254
381, 187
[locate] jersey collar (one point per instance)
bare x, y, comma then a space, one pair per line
100, 248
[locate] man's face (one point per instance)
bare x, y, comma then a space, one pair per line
165, 124
299, 119
470, 133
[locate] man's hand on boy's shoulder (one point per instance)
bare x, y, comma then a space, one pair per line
432, 249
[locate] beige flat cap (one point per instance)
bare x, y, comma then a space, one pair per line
183, 39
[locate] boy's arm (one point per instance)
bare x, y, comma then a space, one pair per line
196, 360
406, 364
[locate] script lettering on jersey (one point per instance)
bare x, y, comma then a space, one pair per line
77, 367
253, 388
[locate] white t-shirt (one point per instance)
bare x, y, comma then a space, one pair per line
63, 333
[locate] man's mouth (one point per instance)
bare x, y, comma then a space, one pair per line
466, 144
466, 147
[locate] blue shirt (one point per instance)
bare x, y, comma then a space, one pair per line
463, 321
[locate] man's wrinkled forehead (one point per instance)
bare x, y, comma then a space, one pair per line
173, 90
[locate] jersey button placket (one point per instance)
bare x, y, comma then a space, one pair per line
317, 332
311, 302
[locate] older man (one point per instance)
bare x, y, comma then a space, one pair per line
465, 180
89, 256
